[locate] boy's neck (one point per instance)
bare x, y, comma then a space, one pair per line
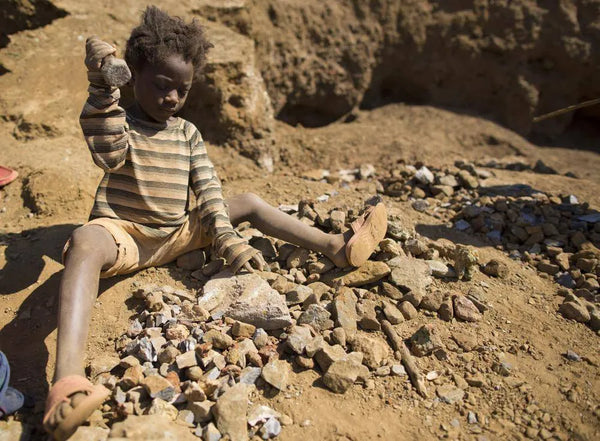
138, 113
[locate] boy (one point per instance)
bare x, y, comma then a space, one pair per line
140, 216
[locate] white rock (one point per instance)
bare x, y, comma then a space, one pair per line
270, 429
424, 176
432, 375
247, 298
261, 414
440, 269
249, 375
276, 373
399, 370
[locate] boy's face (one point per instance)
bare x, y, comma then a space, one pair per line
161, 90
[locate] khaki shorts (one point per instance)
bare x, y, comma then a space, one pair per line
139, 246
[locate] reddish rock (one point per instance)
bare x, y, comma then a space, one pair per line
464, 309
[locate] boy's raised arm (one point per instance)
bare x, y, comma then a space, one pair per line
213, 215
102, 119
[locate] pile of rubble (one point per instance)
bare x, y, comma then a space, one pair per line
197, 359
555, 234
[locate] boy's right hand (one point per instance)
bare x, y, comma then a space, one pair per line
95, 52
257, 261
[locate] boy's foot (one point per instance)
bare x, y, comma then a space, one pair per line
338, 249
356, 245
71, 401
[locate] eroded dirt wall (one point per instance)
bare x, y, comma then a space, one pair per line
509, 60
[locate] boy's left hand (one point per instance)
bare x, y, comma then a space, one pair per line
257, 261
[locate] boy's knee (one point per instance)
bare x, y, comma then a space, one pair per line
85, 239
251, 200
244, 207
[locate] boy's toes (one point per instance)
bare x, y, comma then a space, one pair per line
63, 412
65, 408
76, 399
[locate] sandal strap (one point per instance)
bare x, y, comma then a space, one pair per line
355, 226
360, 220
62, 389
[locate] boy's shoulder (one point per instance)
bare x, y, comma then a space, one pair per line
189, 128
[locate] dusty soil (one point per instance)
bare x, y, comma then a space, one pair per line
43, 90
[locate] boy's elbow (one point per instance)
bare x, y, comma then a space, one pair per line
108, 154
109, 165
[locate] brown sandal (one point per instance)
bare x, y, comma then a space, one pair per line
60, 392
369, 229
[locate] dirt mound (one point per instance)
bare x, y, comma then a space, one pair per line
17, 15
313, 63
509, 60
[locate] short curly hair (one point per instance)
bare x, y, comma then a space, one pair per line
159, 36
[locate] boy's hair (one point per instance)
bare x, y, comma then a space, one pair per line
159, 35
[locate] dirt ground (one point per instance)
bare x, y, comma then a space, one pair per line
39, 137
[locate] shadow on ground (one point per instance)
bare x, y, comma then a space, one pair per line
22, 339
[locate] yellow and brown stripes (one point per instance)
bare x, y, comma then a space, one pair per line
149, 169
103, 123
211, 206
234, 250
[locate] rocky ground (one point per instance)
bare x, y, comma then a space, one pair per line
476, 318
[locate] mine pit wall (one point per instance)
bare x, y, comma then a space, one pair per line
313, 63
508, 60
230, 103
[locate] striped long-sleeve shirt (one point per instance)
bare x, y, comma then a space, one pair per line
149, 168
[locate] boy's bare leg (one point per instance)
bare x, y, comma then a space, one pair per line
92, 247
248, 207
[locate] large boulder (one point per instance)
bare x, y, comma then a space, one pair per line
410, 275
247, 298
229, 103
